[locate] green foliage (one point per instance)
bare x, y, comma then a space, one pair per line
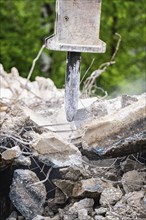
23, 30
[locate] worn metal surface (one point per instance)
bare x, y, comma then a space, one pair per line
72, 83
77, 27
77, 30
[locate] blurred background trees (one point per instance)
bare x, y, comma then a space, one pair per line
25, 24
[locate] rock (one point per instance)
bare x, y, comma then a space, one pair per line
113, 217
99, 217
26, 197
1, 69
134, 198
132, 181
129, 165
66, 186
22, 160
127, 100
39, 217
110, 196
101, 211
11, 153
52, 148
131, 206
60, 197
82, 209
91, 188
74, 173
83, 214
13, 216
14, 72
37, 118
116, 125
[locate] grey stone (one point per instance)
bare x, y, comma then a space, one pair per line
74, 173
13, 216
39, 217
101, 211
99, 217
132, 181
26, 197
66, 186
82, 204
110, 196
52, 148
91, 188
22, 160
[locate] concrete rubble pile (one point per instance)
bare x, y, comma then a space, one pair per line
90, 169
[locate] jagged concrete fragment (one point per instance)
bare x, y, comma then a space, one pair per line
13, 216
39, 217
131, 206
101, 211
78, 211
22, 160
91, 188
66, 186
132, 181
11, 153
75, 173
110, 196
117, 134
81, 206
26, 197
54, 149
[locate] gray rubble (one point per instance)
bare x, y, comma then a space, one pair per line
26, 197
52, 148
90, 166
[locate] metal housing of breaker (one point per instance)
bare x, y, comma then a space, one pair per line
77, 27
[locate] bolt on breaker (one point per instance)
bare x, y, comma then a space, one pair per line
77, 29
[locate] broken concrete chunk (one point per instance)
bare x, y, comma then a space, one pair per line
74, 173
86, 203
54, 149
26, 197
66, 186
135, 198
99, 217
39, 217
110, 196
91, 188
22, 160
127, 100
83, 214
132, 181
101, 211
131, 206
13, 216
60, 197
97, 132
11, 153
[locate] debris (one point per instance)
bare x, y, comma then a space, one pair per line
13, 216
54, 149
110, 196
28, 199
22, 160
90, 188
85, 206
66, 186
132, 181
90, 169
11, 153
101, 211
